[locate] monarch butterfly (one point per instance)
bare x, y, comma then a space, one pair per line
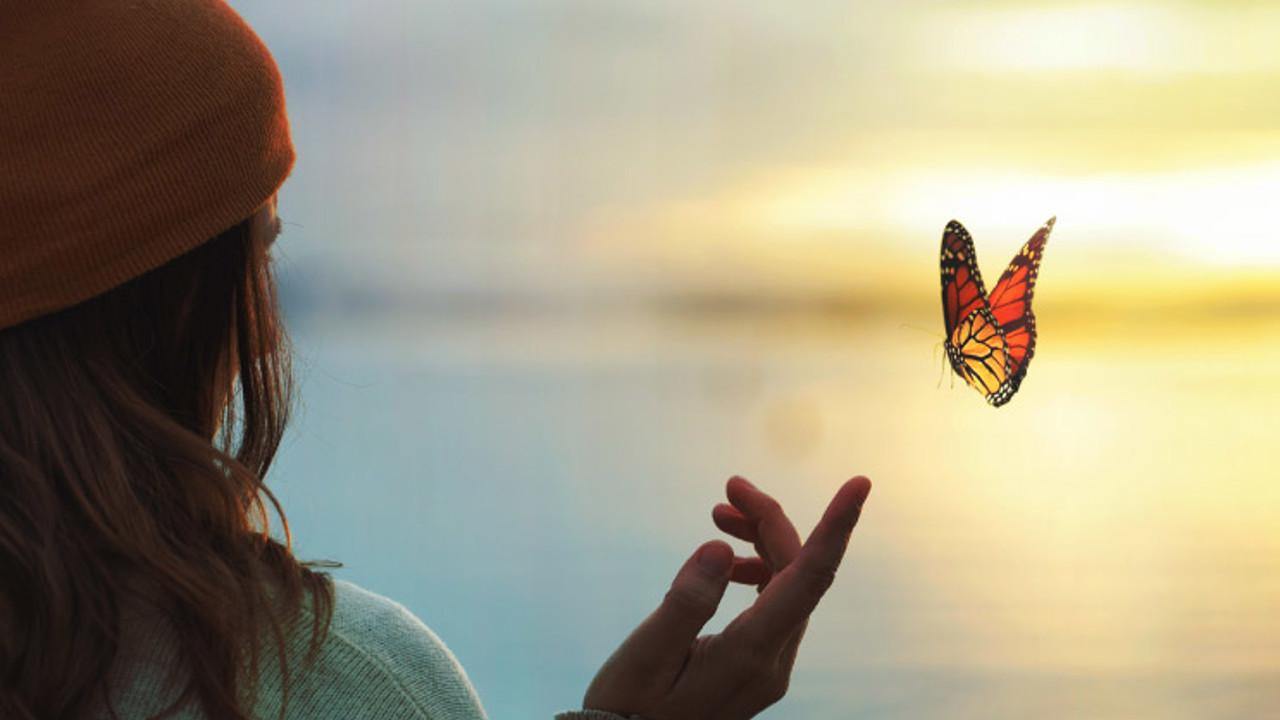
990, 338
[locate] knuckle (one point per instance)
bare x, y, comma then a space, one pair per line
745, 662
690, 602
759, 662
770, 507
817, 580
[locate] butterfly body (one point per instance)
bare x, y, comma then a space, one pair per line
990, 339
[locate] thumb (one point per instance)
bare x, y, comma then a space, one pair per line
693, 598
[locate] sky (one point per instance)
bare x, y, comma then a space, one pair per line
618, 148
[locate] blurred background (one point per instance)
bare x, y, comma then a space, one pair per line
556, 269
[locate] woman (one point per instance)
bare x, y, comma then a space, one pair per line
144, 390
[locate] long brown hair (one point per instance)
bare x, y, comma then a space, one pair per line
135, 432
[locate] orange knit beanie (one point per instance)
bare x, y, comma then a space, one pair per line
131, 131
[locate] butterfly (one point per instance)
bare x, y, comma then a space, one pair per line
990, 338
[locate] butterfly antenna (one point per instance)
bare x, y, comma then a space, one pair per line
904, 326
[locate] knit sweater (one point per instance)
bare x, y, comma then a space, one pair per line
378, 662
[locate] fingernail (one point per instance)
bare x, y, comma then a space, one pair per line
715, 559
748, 482
862, 493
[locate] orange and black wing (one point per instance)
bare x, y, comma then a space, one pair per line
979, 354
962, 288
1010, 303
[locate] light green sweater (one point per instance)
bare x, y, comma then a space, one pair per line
378, 662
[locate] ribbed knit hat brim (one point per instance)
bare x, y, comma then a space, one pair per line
131, 131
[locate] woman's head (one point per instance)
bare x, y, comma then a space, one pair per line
135, 430
144, 380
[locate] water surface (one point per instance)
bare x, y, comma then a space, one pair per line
1105, 546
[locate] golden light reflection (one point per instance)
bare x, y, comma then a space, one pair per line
1117, 516
1217, 214
1155, 217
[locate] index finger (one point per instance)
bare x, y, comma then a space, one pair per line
789, 599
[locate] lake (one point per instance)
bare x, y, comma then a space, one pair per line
527, 481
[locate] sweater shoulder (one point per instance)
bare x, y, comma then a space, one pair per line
379, 661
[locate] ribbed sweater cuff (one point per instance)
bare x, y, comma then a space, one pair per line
594, 715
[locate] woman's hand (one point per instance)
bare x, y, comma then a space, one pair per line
664, 671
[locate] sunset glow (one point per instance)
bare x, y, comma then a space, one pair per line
1146, 128
1221, 215
1157, 39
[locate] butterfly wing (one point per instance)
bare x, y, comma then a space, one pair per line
979, 354
975, 341
1010, 303
962, 288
